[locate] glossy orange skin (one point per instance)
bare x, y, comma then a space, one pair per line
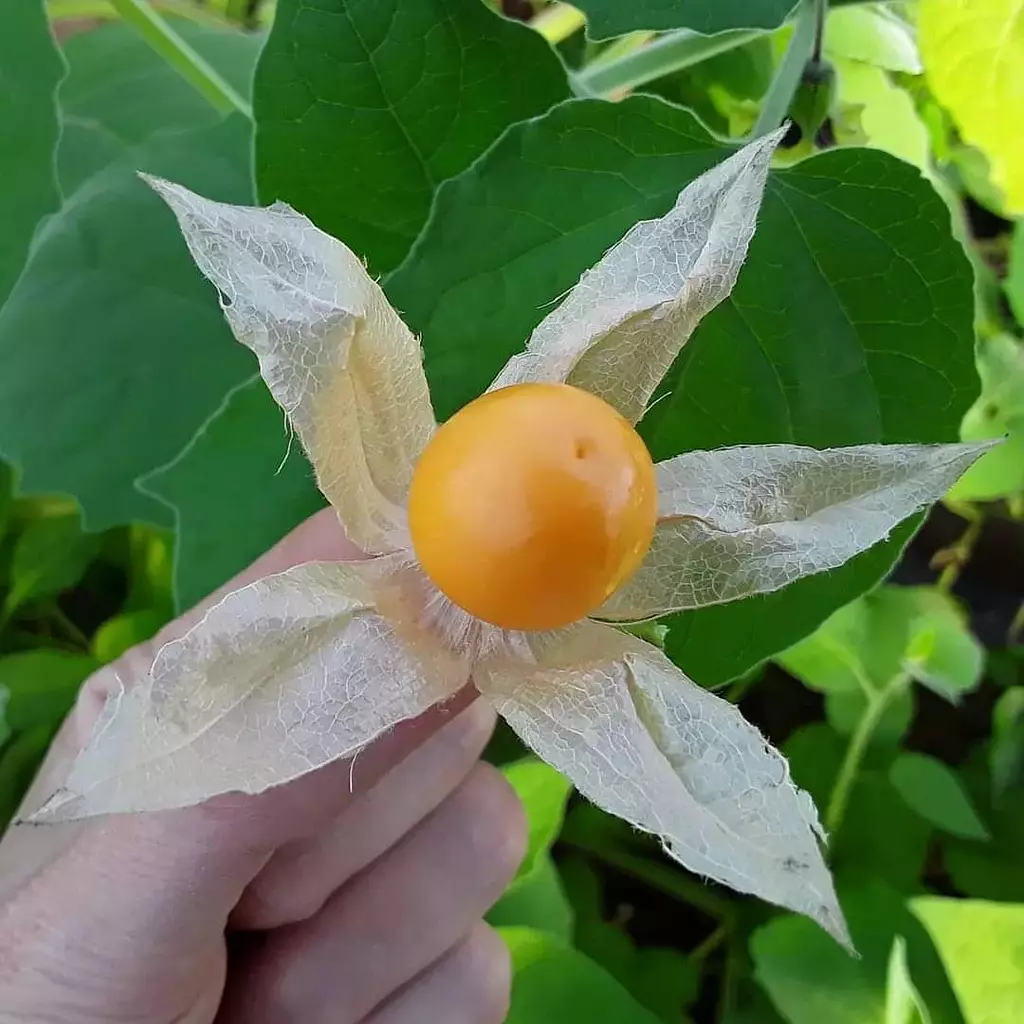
532, 504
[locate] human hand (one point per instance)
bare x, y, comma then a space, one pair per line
354, 894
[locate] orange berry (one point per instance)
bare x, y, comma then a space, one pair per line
532, 504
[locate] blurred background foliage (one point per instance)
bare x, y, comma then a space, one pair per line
151, 466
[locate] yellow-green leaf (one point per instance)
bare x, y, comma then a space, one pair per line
973, 52
982, 947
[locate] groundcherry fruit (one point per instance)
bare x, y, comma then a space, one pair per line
532, 504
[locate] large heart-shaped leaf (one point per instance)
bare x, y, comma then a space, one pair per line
615, 18
30, 69
114, 349
110, 334
364, 106
854, 286
240, 468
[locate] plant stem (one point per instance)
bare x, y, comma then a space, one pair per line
820, 14
955, 558
169, 45
779, 97
671, 52
858, 748
71, 631
710, 944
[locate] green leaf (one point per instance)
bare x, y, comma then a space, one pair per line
874, 111
543, 793
1015, 273
998, 412
855, 653
363, 108
6, 496
879, 839
118, 92
664, 980
974, 59
982, 947
237, 488
50, 556
111, 335
537, 901
42, 685
815, 753
19, 763
934, 791
724, 90
5, 729
30, 69
853, 276
615, 18
123, 632
993, 870
535, 897
1006, 750
553, 982
903, 1002
812, 980
872, 35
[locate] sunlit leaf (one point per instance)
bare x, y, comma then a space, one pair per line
535, 898
973, 51
982, 947
998, 412
903, 1002
935, 792
875, 111
364, 108
874, 35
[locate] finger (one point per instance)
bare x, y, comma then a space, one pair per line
302, 875
418, 901
469, 985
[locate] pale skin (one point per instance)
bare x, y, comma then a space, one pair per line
354, 895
